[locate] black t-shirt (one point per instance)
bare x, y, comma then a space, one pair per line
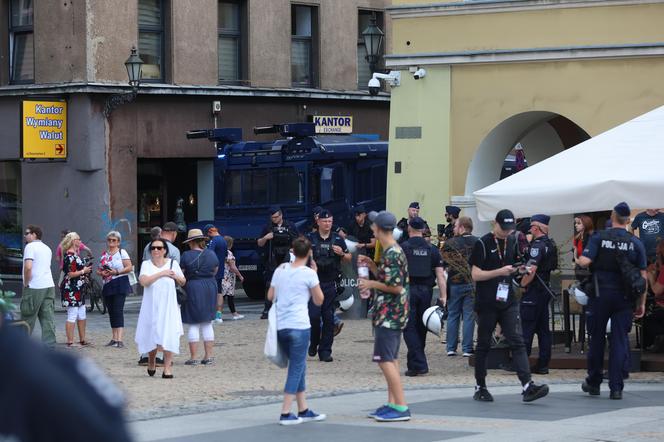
328, 262
456, 255
651, 231
491, 253
436, 260
274, 253
50, 396
363, 233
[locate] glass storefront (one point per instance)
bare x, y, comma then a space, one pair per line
11, 252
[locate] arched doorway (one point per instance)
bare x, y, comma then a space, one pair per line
541, 134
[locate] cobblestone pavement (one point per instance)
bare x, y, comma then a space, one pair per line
242, 376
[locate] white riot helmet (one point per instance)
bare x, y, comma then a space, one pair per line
346, 304
579, 295
433, 318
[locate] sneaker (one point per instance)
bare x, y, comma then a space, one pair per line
217, 315
236, 317
313, 351
389, 414
111, 343
191, 362
291, 419
534, 392
615, 394
208, 361
310, 416
264, 315
118, 344
218, 320
377, 411
467, 354
451, 353
482, 394
413, 373
327, 358
587, 388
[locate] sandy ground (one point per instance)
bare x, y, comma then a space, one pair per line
243, 376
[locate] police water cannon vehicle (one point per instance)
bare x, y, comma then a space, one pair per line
297, 171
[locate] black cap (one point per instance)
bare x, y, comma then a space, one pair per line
383, 219
505, 219
324, 214
622, 209
317, 210
359, 209
414, 205
170, 227
273, 209
452, 210
417, 223
540, 218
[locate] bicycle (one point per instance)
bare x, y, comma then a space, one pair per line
92, 291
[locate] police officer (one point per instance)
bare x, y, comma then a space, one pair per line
451, 215
329, 249
275, 240
492, 268
360, 229
424, 266
542, 260
603, 252
413, 211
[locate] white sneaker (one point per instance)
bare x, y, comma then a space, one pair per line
451, 353
467, 355
236, 317
218, 321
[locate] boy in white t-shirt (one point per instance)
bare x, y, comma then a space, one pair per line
38, 300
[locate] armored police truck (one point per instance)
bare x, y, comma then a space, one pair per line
298, 172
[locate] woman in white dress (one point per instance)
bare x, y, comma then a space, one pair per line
159, 324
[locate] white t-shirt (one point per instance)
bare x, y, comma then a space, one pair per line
40, 254
291, 287
116, 262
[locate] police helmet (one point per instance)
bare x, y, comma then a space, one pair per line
433, 318
579, 295
346, 304
396, 233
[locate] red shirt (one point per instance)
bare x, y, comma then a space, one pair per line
659, 300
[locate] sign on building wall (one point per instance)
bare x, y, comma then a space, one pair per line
333, 124
44, 129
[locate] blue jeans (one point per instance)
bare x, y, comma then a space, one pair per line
294, 343
460, 302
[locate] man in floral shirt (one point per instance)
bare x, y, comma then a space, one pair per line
389, 313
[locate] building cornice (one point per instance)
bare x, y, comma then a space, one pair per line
526, 55
497, 6
188, 90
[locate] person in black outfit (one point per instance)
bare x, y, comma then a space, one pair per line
50, 396
424, 266
329, 249
275, 240
360, 229
492, 269
451, 215
413, 211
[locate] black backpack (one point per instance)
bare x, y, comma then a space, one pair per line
550, 261
634, 284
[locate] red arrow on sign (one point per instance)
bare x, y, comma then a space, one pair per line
59, 149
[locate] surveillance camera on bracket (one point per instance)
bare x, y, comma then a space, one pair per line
419, 73
393, 78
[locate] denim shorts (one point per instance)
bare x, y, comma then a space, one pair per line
386, 344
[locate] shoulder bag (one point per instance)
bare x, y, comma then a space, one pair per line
180, 292
272, 349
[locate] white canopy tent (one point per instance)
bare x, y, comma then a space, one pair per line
625, 163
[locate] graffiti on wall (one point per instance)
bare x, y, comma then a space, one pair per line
123, 225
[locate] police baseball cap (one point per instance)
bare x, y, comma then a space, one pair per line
383, 220
324, 213
274, 209
359, 209
317, 210
207, 228
540, 218
622, 209
452, 210
414, 205
170, 227
416, 223
505, 219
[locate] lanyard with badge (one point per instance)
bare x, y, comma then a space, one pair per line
503, 291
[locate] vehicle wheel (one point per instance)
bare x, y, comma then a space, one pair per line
254, 289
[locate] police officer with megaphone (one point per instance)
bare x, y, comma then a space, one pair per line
425, 266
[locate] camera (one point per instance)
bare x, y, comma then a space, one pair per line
420, 73
374, 86
393, 78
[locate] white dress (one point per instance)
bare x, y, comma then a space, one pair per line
159, 321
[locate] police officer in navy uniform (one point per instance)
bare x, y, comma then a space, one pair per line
602, 254
536, 299
451, 215
329, 249
275, 240
413, 211
425, 266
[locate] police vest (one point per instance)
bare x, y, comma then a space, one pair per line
418, 255
324, 256
549, 261
610, 246
280, 241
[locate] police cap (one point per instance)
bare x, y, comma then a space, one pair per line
622, 209
505, 219
359, 209
273, 209
324, 213
452, 210
417, 223
383, 220
540, 218
414, 205
317, 210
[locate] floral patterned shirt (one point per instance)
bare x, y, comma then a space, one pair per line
71, 289
391, 311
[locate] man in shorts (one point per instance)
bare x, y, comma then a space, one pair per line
389, 313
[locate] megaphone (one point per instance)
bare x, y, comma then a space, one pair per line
352, 245
396, 233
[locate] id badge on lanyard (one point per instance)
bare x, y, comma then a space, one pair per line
503, 292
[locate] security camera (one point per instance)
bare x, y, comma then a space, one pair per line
420, 73
393, 78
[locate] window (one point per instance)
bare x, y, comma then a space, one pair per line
151, 39
363, 69
21, 42
304, 39
281, 185
11, 232
229, 44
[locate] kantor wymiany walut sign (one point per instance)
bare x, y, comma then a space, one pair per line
44, 129
333, 124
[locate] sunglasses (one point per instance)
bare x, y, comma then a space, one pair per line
156, 248
112, 240
28, 233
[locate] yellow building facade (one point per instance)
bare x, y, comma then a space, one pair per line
546, 74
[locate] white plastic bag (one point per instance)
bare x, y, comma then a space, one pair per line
272, 350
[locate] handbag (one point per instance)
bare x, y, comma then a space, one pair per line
272, 349
180, 292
